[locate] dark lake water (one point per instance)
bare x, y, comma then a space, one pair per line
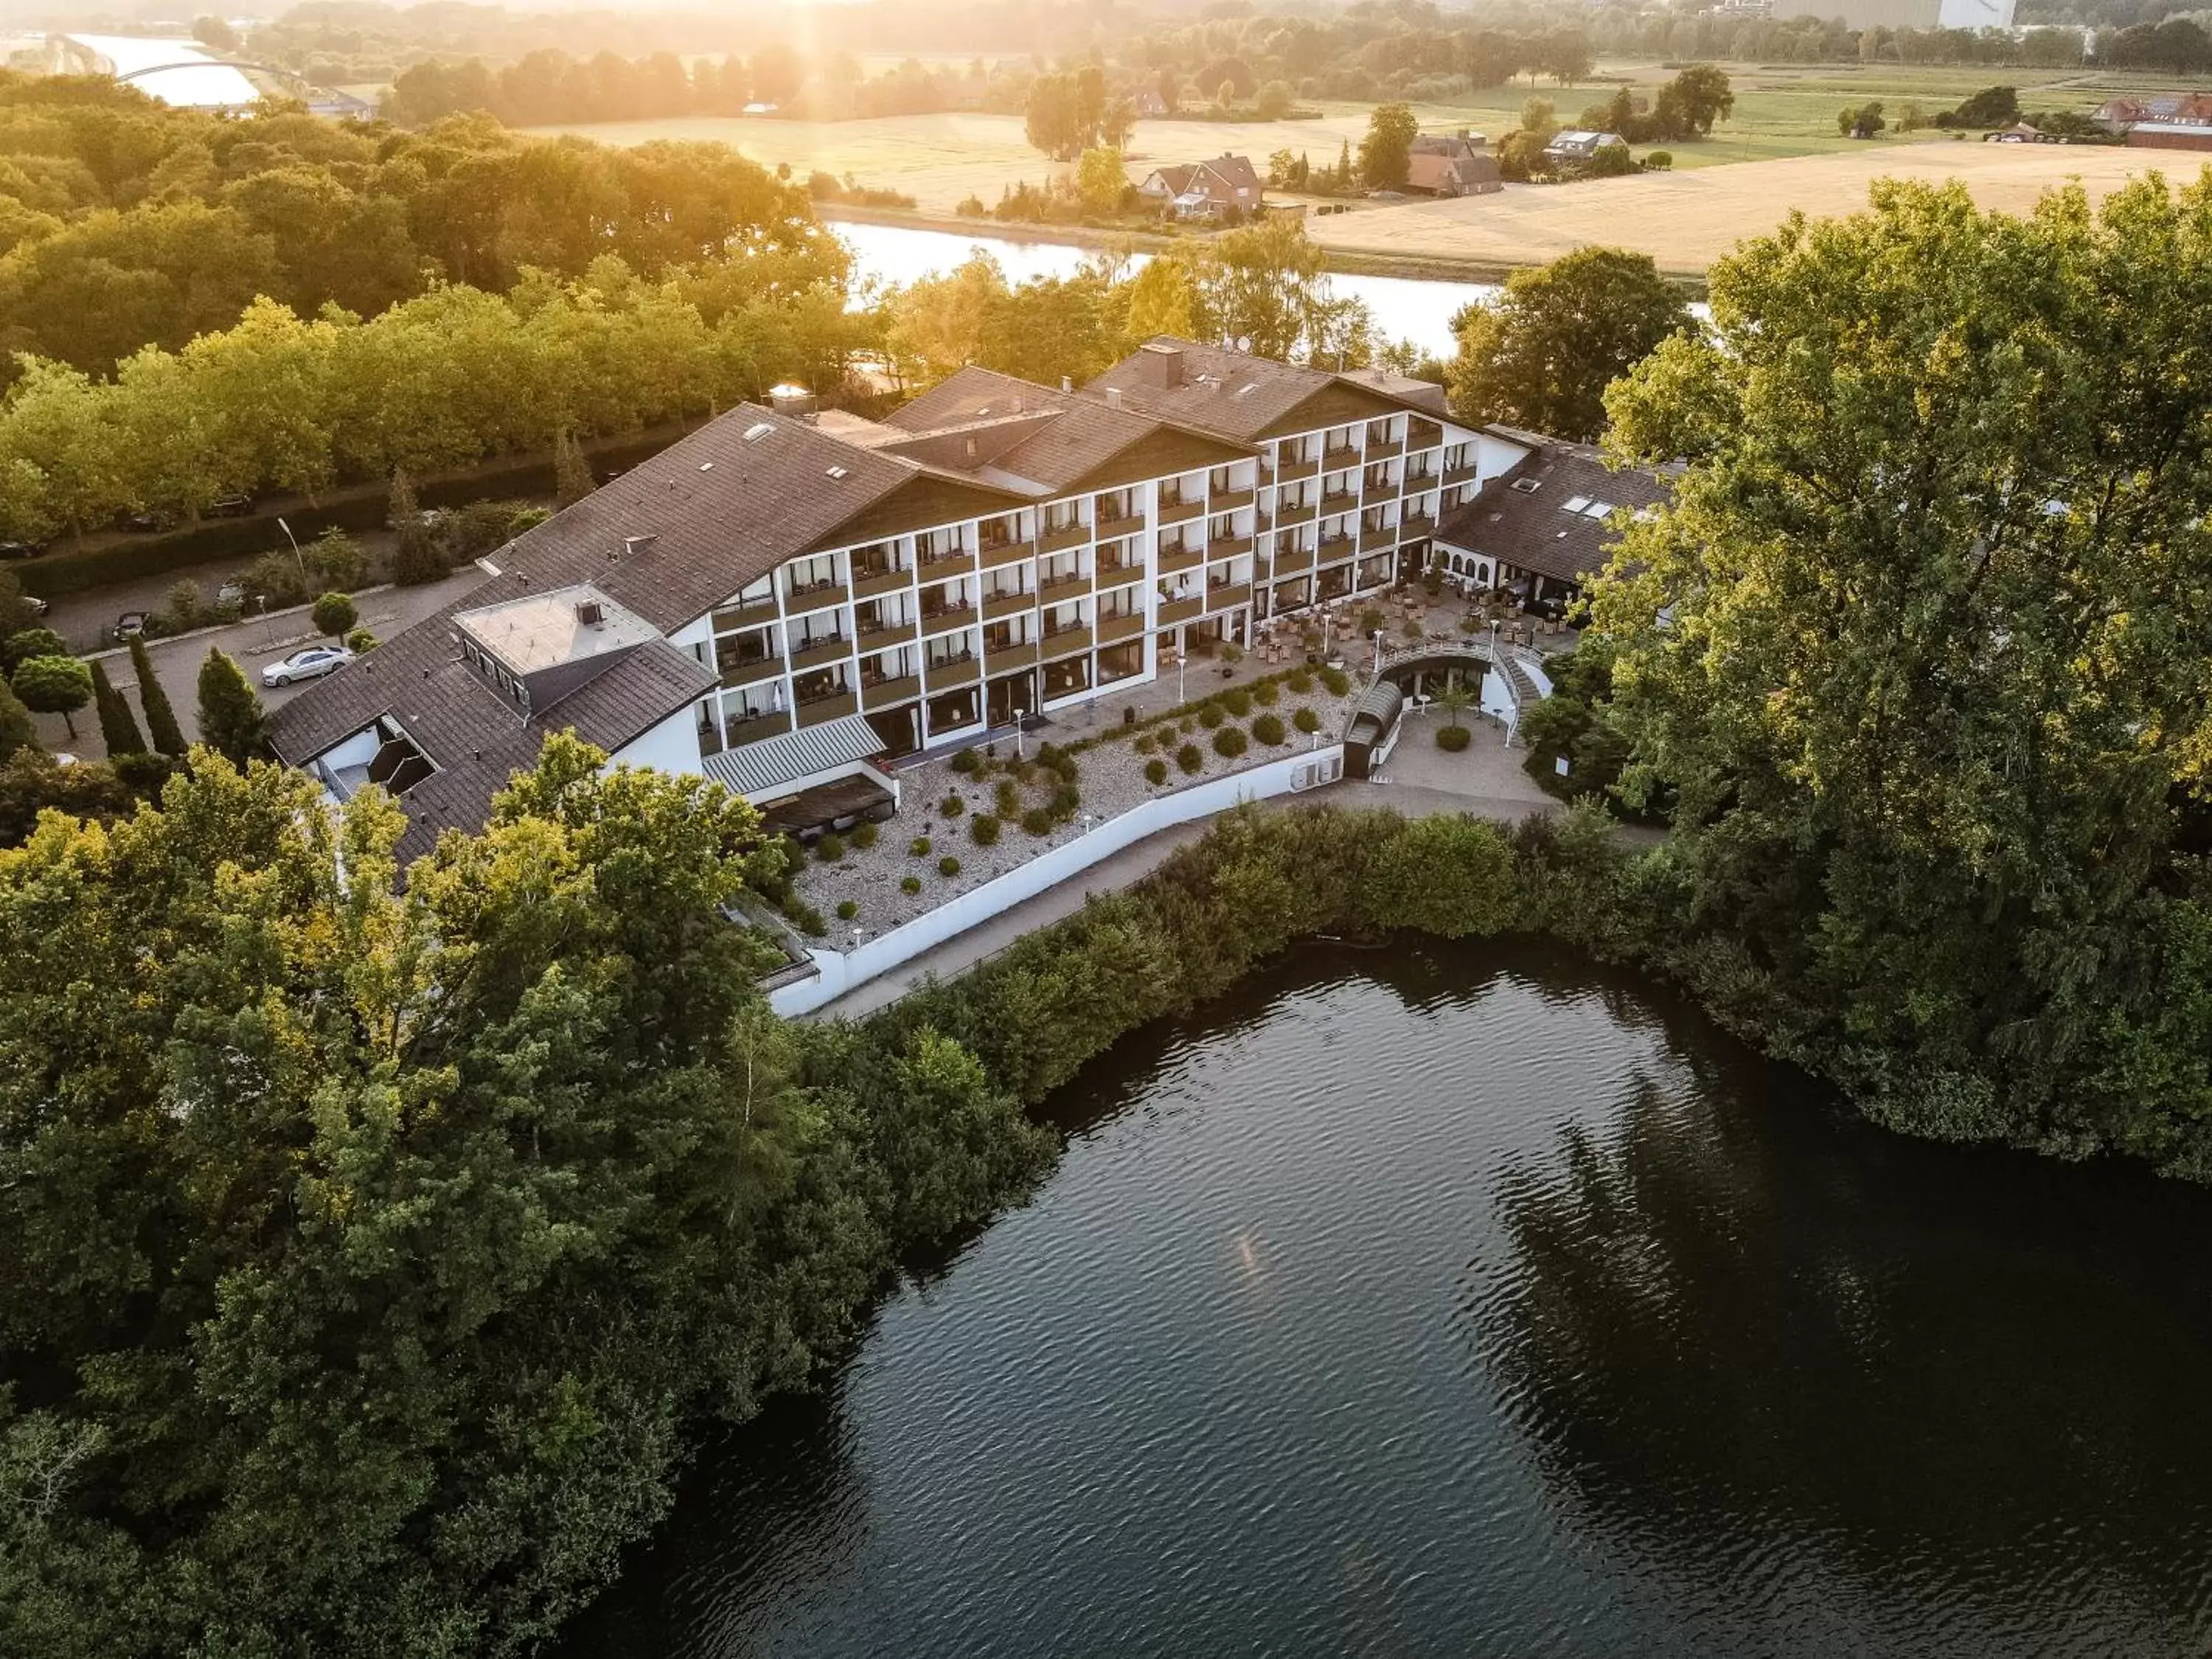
1443, 1302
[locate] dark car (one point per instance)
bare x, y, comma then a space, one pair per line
238, 505
144, 523
128, 626
19, 550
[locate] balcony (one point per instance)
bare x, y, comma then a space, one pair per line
1174, 512
1289, 469
998, 553
950, 563
1459, 475
1290, 560
1340, 459
832, 706
868, 583
998, 660
1288, 514
1179, 611
1179, 558
773, 724
1110, 528
1066, 588
1228, 547
1379, 448
1228, 501
1120, 575
1072, 535
752, 672
1424, 434
943, 621
1378, 541
814, 655
1417, 524
881, 694
952, 672
1340, 500
800, 601
1066, 642
1333, 547
996, 605
882, 637
1111, 628
1227, 596
758, 615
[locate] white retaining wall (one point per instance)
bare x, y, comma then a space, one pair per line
842, 970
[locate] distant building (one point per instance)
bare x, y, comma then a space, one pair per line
181, 72
1903, 14
2167, 120
335, 103
1455, 165
1204, 189
1580, 146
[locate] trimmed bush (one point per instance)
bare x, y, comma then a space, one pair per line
1008, 799
1237, 701
1453, 738
967, 761
1211, 716
919, 847
1306, 720
1188, 758
1336, 680
830, 848
983, 829
1064, 799
1156, 772
948, 866
1298, 681
1039, 821
910, 884
864, 835
1229, 742
809, 921
1143, 744
848, 908
1187, 724
1268, 729
1266, 694
952, 806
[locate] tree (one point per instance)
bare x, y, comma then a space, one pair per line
1688, 104
1930, 681
1101, 179
231, 720
16, 612
1566, 56
53, 685
17, 729
26, 642
1117, 125
415, 557
160, 719
1542, 355
1454, 699
1275, 101
1862, 122
1386, 153
334, 615
1159, 299
118, 727
1536, 117
571, 474
215, 32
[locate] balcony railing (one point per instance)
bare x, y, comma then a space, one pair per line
813, 597
755, 615
1340, 500
949, 671
951, 616
815, 653
1228, 547
1378, 541
1384, 446
752, 672
773, 724
996, 605
1064, 642
1111, 628
866, 583
1006, 552
1179, 611
1338, 458
1021, 653
878, 636
1179, 558
951, 558
1070, 535
1459, 475
1335, 547
1294, 513
1227, 596
1424, 434
1289, 469
828, 706
1121, 573
1110, 528
1175, 510
1228, 501
1062, 589
1290, 559
883, 693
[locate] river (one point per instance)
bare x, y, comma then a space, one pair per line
1446, 1300
1405, 309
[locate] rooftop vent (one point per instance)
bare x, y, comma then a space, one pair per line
836, 472
589, 614
757, 431
1113, 396
706, 466
1526, 486
633, 545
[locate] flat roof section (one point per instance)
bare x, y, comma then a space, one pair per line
562, 625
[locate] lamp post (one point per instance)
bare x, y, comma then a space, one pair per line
1019, 713
1179, 662
297, 558
1378, 653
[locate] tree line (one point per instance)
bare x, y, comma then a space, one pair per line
125, 223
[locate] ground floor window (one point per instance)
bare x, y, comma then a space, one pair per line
1066, 677
899, 728
1375, 572
953, 711
1118, 662
1293, 594
1334, 584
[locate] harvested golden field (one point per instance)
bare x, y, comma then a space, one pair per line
1686, 221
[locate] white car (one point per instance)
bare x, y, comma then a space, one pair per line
311, 663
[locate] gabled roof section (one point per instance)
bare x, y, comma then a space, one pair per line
1235, 396
1556, 512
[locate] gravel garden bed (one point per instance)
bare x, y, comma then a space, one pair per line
883, 876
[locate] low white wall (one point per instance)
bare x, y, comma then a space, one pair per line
842, 970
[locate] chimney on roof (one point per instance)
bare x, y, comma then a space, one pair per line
1113, 396
1160, 365
588, 613
1067, 383
633, 545
971, 449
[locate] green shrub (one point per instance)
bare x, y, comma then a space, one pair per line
983, 829
830, 848
864, 835
967, 761
948, 866
1298, 681
1237, 701
1008, 799
848, 908
952, 806
1066, 797
910, 884
919, 847
1453, 738
1210, 715
1266, 694
1229, 742
1268, 729
1306, 720
1336, 680
1187, 724
1039, 821
809, 921
1156, 771
1143, 744
1188, 758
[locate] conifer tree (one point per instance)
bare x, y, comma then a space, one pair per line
231, 719
119, 727
160, 719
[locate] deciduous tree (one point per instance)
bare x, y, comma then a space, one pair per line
53, 685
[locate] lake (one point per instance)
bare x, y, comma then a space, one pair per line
1445, 1301
1405, 309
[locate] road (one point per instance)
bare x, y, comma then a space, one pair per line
384, 612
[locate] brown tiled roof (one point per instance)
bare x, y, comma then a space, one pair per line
1065, 439
1236, 395
1531, 529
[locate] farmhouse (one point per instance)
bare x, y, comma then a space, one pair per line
1456, 165
1546, 524
1578, 146
1204, 189
788, 604
2167, 120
